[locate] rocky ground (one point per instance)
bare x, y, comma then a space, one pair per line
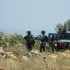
14, 56
34, 60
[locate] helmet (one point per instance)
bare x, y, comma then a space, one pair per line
43, 32
28, 32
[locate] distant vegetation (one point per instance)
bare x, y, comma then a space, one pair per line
63, 26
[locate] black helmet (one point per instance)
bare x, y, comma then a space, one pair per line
59, 29
43, 32
28, 32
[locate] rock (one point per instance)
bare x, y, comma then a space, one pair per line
10, 55
67, 51
66, 55
35, 52
29, 54
53, 56
2, 51
25, 58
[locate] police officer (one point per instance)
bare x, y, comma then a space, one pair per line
44, 39
29, 40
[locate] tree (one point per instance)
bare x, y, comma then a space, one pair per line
59, 27
63, 28
67, 23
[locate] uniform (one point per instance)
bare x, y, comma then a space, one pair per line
29, 41
44, 39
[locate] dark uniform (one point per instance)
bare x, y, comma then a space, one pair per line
44, 39
29, 41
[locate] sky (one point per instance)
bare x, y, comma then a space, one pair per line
19, 16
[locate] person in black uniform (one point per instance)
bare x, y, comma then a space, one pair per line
44, 39
29, 40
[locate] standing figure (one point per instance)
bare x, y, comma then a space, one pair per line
29, 40
44, 39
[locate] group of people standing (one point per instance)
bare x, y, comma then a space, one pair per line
30, 41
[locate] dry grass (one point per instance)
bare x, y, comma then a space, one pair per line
47, 61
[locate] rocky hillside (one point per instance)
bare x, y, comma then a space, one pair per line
14, 56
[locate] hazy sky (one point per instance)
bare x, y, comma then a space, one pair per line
35, 15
